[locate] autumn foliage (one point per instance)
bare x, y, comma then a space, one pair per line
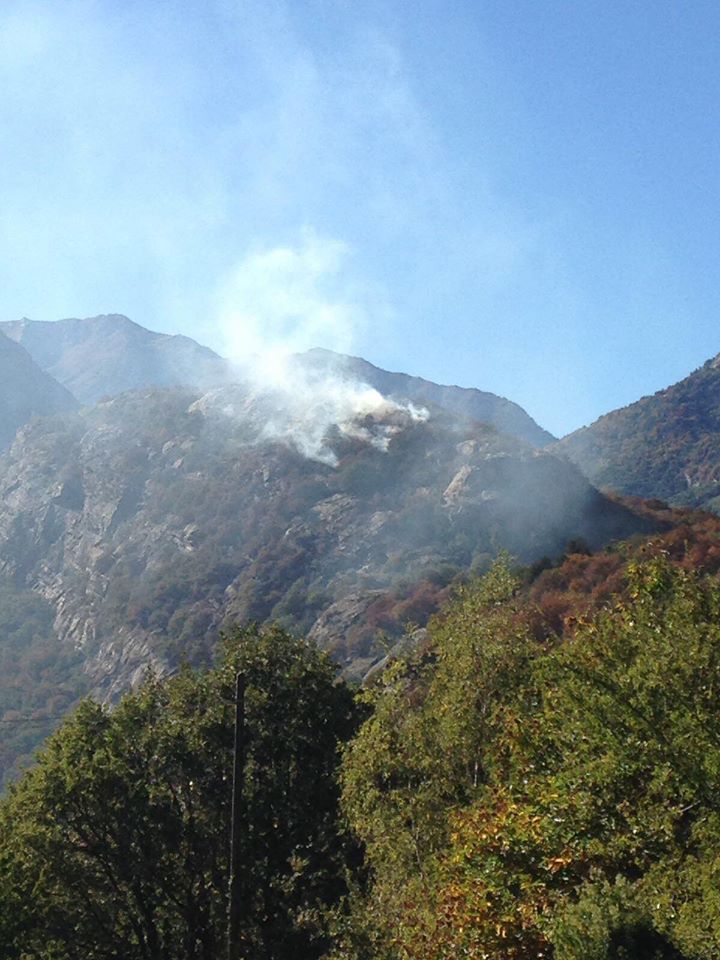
541, 780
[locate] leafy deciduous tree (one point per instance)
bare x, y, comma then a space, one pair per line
115, 844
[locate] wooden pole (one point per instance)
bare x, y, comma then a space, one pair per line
235, 900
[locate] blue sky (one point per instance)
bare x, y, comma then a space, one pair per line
519, 195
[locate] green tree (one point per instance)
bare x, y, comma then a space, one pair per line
115, 844
600, 838
429, 748
560, 798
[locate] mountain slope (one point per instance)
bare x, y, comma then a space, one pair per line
151, 518
507, 417
102, 356
25, 391
666, 445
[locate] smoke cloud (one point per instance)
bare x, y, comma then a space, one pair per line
279, 302
286, 299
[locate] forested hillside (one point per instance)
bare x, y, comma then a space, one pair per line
40, 679
528, 769
538, 779
522, 798
666, 445
116, 844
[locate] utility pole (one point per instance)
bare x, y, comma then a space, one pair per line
235, 900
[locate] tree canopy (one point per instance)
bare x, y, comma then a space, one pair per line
539, 779
115, 845
523, 798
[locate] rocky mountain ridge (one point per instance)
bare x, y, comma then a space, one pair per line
467, 402
341, 502
25, 391
101, 356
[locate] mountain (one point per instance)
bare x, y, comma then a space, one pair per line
25, 390
467, 402
342, 502
665, 446
101, 356
151, 519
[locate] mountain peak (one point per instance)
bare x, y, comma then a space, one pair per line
25, 390
108, 354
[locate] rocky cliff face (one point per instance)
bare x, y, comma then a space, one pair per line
25, 391
152, 519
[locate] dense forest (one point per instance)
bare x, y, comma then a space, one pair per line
539, 778
665, 445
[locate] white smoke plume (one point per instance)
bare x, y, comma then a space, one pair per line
280, 302
287, 299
